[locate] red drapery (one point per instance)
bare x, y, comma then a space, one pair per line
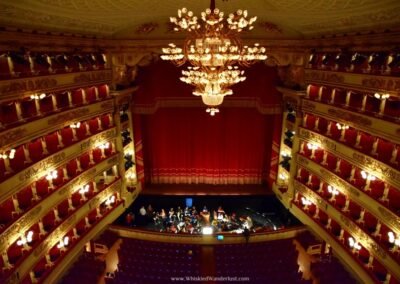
183, 144
189, 146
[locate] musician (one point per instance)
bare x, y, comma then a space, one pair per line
220, 213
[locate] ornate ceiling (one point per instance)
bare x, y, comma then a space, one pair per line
148, 19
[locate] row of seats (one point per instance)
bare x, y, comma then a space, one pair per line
342, 236
364, 219
381, 62
375, 147
377, 189
360, 102
15, 206
32, 152
15, 112
18, 64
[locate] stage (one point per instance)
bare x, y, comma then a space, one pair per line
206, 190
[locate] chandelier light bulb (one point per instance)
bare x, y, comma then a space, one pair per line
213, 47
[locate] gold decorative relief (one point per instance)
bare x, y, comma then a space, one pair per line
27, 85
323, 76
382, 84
13, 135
68, 116
348, 116
146, 28
92, 77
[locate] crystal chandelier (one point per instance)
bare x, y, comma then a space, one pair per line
214, 51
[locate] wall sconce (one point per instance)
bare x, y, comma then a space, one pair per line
75, 125
354, 244
109, 201
25, 240
38, 97
305, 201
393, 240
342, 126
311, 146
333, 190
367, 176
10, 155
105, 145
52, 175
381, 96
63, 243
84, 190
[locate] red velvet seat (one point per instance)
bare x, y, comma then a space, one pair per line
49, 221
63, 209
77, 97
345, 169
96, 155
62, 100
40, 268
42, 187
340, 97
72, 168
370, 222
385, 150
106, 121
18, 163
394, 200
377, 187
350, 136
76, 199
85, 161
103, 91
358, 181
54, 253
303, 178
46, 105
35, 150
57, 182
366, 142
90, 94
81, 132
28, 108
326, 95
355, 210
355, 101
322, 125
335, 133
67, 136
25, 198
100, 60
93, 125
52, 142
372, 104
313, 92
314, 183
392, 108
310, 121
81, 227
7, 212
5, 70
331, 161
14, 253
8, 113
3, 173
318, 155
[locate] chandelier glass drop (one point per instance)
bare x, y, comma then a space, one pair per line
214, 50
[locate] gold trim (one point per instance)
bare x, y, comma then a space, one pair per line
37, 128
69, 223
362, 237
27, 176
372, 125
15, 88
11, 234
362, 161
354, 81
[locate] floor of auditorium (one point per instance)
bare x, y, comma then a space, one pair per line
207, 266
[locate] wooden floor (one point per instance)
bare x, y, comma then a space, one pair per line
206, 189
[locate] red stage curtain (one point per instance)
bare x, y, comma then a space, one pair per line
186, 145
